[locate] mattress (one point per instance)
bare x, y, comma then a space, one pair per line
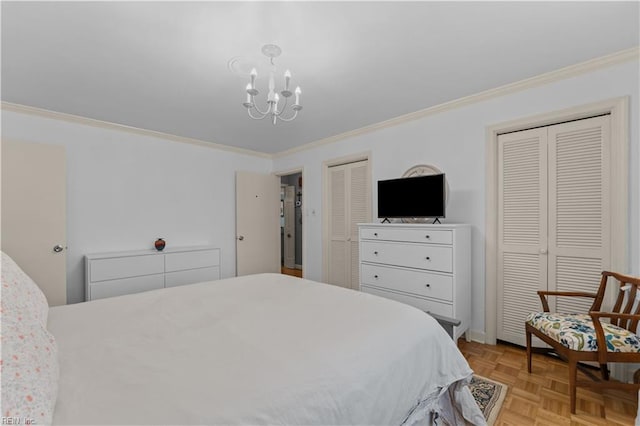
259, 349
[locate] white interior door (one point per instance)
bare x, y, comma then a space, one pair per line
34, 213
338, 257
522, 229
257, 223
554, 218
289, 227
349, 204
579, 235
359, 201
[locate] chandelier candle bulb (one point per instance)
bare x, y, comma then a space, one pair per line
297, 92
287, 79
254, 74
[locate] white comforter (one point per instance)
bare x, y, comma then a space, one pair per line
261, 349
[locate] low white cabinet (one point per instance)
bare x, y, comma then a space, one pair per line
119, 273
426, 266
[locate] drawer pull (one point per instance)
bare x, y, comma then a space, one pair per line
428, 237
428, 258
428, 285
375, 276
375, 252
375, 234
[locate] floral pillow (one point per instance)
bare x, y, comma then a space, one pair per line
30, 372
22, 299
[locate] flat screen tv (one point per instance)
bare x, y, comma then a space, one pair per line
420, 196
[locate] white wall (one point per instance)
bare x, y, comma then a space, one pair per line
124, 190
454, 141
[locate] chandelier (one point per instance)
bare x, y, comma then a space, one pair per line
274, 111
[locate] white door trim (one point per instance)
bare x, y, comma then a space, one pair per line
619, 192
362, 156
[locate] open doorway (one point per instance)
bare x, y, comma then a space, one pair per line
291, 224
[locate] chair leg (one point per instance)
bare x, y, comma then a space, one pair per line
529, 351
573, 375
604, 370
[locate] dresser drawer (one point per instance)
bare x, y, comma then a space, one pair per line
192, 276
409, 235
191, 260
413, 255
410, 281
123, 267
124, 286
444, 309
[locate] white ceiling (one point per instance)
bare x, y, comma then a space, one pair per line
163, 66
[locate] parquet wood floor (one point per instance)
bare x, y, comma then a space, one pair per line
542, 398
293, 272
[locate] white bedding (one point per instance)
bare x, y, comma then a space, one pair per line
260, 349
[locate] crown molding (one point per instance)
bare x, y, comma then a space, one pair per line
24, 109
546, 78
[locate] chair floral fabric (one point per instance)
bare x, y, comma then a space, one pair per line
576, 332
595, 336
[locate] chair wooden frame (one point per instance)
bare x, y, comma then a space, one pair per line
623, 316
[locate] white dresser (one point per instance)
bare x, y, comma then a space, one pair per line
118, 273
426, 266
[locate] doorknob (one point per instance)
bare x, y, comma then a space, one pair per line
241, 237
58, 248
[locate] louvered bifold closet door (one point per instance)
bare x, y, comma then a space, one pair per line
349, 204
522, 229
338, 223
359, 200
579, 220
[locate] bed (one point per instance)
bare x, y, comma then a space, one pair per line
259, 349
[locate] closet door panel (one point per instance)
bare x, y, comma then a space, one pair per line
575, 274
522, 229
521, 276
578, 207
359, 212
349, 204
338, 265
